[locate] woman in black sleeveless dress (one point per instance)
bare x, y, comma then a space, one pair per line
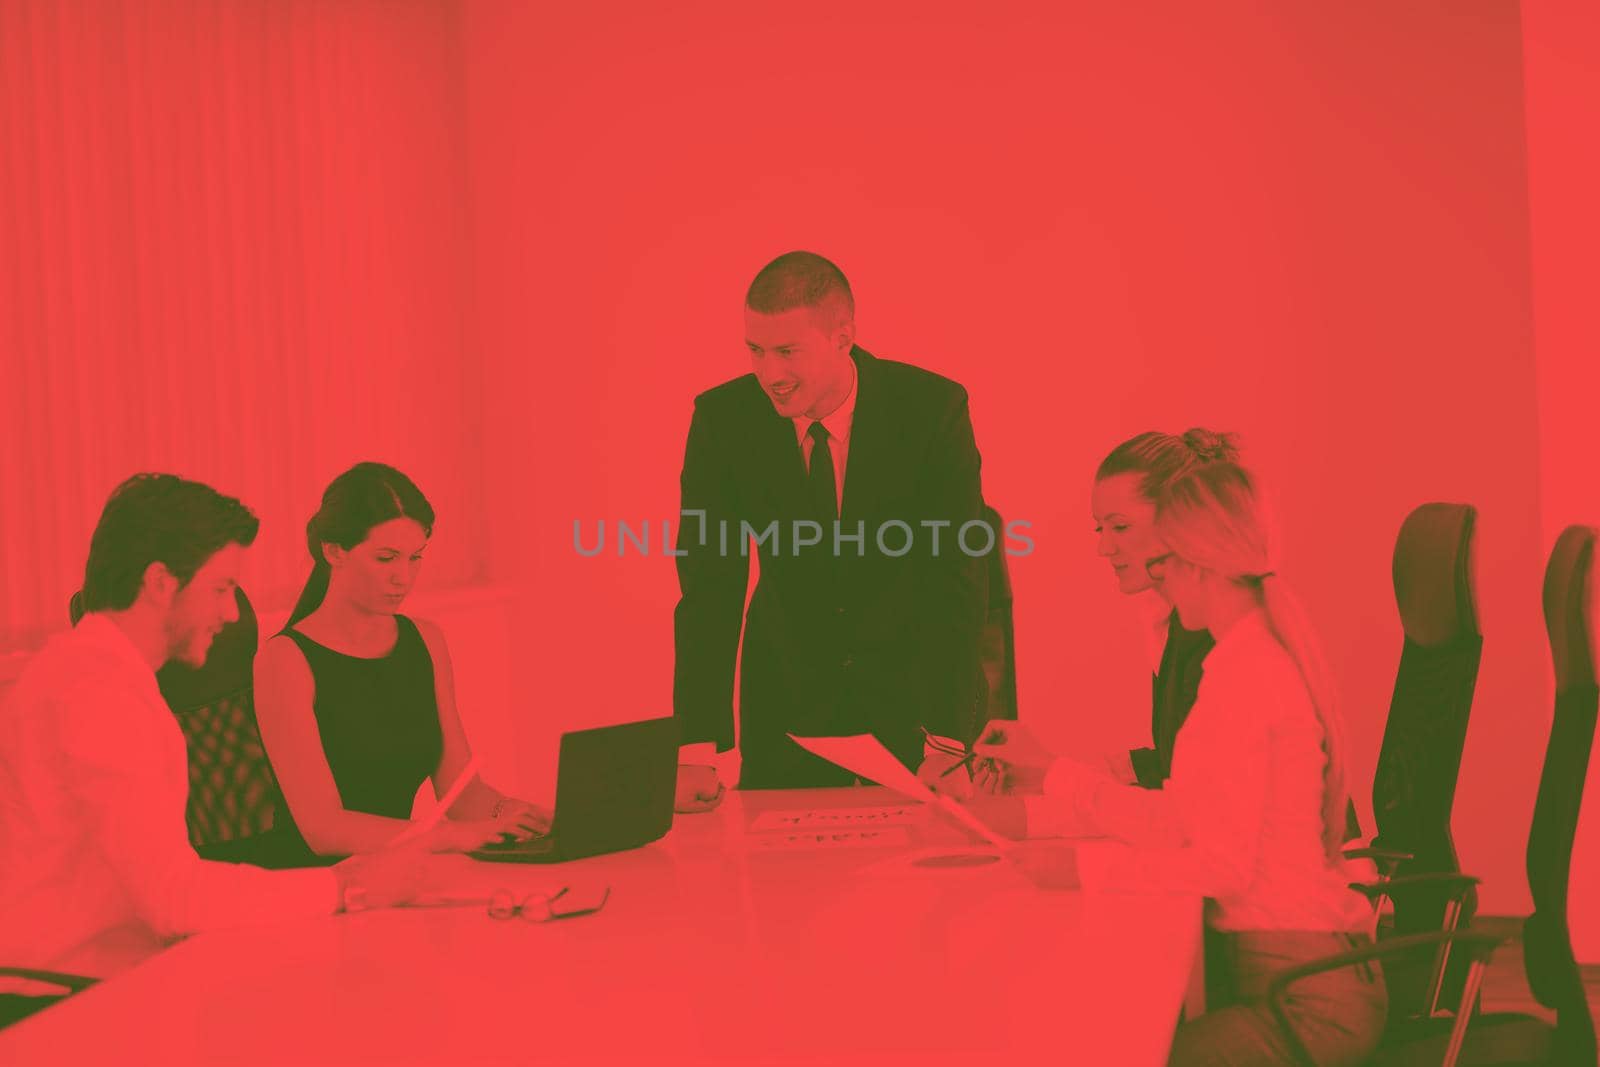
356, 702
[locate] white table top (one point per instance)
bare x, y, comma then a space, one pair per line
709, 949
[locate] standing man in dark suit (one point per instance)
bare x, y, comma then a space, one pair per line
858, 480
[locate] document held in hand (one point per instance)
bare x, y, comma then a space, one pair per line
864, 755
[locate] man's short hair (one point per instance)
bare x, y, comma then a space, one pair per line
802, 279
158, 518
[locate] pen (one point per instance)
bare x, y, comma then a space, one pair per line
966, 762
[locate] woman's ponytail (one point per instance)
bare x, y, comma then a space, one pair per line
1291, 626
316, 587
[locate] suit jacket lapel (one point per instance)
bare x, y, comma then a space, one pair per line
783, 459
870, 439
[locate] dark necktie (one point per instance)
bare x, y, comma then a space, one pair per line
824, 495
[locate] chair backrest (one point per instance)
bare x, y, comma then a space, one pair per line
998, 651
1414, 784
1553, 974
233, 793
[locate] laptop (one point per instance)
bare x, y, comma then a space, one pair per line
614, 791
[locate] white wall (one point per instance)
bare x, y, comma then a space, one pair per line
1308, 225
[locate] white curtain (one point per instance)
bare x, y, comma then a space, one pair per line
233, 246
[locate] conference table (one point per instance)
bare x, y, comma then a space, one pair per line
808, 926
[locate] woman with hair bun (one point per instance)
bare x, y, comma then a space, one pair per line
1126, 486
1123, 503
356, 702
1252, 817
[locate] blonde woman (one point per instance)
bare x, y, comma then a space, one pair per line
1122, 500
1253, 815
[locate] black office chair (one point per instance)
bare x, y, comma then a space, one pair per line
1414, 786
1569, 591
1510, 1038
233, 793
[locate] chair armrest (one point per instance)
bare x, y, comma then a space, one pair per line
73, 983
1459, 884
1479, 946
1385, 859
1476, 943
1393, 855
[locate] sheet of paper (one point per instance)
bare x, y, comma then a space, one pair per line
430, 820
865, 755
961, 815
804, 840
835, 818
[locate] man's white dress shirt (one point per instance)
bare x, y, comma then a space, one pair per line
93, 786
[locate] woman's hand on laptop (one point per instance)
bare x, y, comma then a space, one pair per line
469, 835
520, 817
699, 788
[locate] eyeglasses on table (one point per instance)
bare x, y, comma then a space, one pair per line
504, 904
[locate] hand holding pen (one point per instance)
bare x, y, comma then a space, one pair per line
1010, 759
943, 760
